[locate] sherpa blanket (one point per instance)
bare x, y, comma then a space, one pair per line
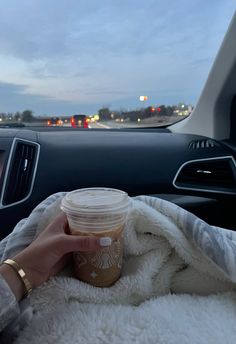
168, 251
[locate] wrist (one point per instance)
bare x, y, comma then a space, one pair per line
24, 261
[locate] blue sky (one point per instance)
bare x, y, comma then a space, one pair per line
74, 56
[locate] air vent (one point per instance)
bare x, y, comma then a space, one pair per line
211, 174
202, 144
21, 172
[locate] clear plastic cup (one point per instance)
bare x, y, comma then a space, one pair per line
100, 212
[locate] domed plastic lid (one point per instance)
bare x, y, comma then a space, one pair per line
95, 200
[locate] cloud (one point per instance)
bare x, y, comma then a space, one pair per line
94, 52
14, 98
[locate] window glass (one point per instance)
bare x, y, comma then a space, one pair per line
120, 63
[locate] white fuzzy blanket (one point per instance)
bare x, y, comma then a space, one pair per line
167, 250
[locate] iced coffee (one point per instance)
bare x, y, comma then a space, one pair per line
100, 212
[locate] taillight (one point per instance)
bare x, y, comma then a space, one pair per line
72, 121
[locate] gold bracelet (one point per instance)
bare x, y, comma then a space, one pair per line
21, 274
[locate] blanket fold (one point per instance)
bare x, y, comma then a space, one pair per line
166, 250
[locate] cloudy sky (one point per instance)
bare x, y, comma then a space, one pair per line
74, 56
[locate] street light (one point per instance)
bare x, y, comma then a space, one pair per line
143, 98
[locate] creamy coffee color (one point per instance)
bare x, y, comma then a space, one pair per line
100, 268
99, 212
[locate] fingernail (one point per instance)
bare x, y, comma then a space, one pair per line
105, 241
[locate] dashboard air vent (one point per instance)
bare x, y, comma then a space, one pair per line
21, 172
201, 144
210, 174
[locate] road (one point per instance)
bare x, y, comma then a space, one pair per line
120, 125
109, 124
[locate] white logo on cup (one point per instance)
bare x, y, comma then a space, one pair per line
93, 274
107, 257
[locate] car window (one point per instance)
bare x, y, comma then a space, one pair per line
121, 64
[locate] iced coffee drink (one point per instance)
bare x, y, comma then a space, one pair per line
100, 212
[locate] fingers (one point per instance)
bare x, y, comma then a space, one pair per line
61, 219
73, 243
59, 224
66, 243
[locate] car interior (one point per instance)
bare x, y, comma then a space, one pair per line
190, 163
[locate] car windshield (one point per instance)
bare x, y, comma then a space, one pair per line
121, 64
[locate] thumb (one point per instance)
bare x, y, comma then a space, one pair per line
73, 243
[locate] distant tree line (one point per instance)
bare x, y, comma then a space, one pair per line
133, 115
104, 113
24, 116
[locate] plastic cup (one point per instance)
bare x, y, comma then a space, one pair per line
100, 212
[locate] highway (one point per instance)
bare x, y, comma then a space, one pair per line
120, 125
99, 125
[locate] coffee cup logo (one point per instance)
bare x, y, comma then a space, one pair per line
107, 257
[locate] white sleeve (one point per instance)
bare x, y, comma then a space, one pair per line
9, 307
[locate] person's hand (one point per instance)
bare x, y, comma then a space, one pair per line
47, 255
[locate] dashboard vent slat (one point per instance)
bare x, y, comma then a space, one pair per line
20, 173
212, 174
202, 144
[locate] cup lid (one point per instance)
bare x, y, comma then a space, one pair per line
101, 200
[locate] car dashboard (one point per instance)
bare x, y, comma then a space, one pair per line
37, 163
